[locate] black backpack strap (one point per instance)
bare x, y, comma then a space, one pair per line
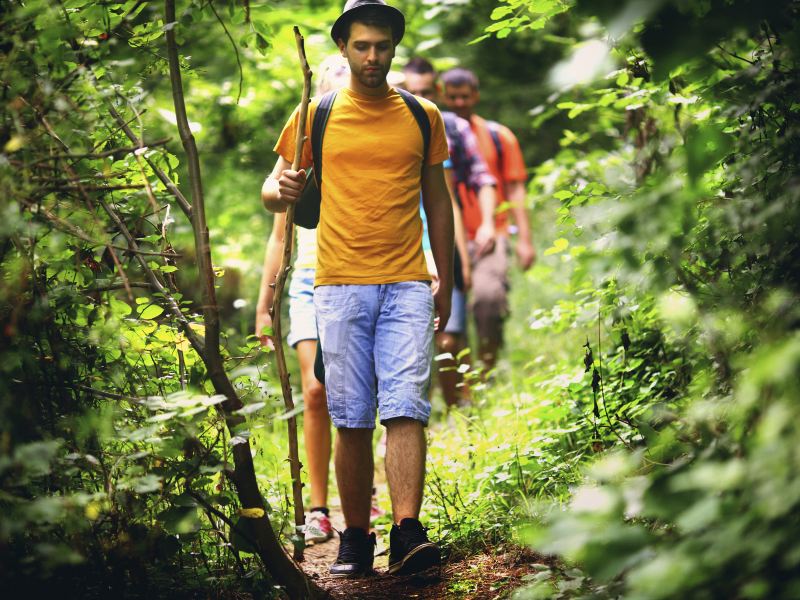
318, 131
494, 132
421, 117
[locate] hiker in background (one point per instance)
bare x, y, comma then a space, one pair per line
470, 178
502, 153
333, 73
374, 306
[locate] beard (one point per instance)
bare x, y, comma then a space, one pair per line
373, 78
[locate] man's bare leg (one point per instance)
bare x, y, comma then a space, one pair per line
405, 466
354, 470
487, 351
449, 377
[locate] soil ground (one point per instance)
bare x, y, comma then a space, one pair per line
483, 576
491, 574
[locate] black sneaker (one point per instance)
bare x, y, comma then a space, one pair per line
410, 551
356, 553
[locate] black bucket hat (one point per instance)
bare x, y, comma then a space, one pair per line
353, 7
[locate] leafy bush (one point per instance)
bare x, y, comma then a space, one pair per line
678, 204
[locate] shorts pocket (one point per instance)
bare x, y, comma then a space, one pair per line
336, 314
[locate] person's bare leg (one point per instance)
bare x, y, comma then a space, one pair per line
354, 470
449, 377
488, 348
316, 425
405, 466
490, 303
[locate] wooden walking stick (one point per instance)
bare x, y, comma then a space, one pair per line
277, 334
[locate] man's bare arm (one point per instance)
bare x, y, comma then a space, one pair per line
282, 187
526, 252
438, 208
460, 232
484, 236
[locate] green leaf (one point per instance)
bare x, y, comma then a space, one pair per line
500, 12
151, 312
250, 408
243, 535
559, 245
180, 519
706, 146
119, 308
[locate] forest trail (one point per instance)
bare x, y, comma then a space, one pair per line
483, 576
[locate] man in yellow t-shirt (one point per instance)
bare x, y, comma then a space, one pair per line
375, 309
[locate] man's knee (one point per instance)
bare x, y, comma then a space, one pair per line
447, 342
354, 437
402, 423
314, 397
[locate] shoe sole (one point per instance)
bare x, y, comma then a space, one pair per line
353, 575
421, 558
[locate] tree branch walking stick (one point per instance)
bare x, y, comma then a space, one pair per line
277, 333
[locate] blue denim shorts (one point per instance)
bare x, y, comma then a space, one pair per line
377, 346
302, 318
457, 323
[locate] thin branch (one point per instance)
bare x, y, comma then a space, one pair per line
75, 231
79, 178
169, 255
195, 339
112, 134
151, 197
199, 226
109, 395
163, 177
90, 188
734, 55
104, 154
116, 286
235, 49
223, 517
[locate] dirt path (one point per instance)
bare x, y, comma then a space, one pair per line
483, 576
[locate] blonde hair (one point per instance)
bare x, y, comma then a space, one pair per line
333, 73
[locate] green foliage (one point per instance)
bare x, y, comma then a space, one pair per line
114, 464
677, 187
645, 425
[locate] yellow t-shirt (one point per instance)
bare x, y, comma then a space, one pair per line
370, 231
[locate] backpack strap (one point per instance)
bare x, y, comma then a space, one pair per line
421, 117
494, 132
318, 131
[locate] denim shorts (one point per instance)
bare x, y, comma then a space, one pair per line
302, 318
377, 346
457, 323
